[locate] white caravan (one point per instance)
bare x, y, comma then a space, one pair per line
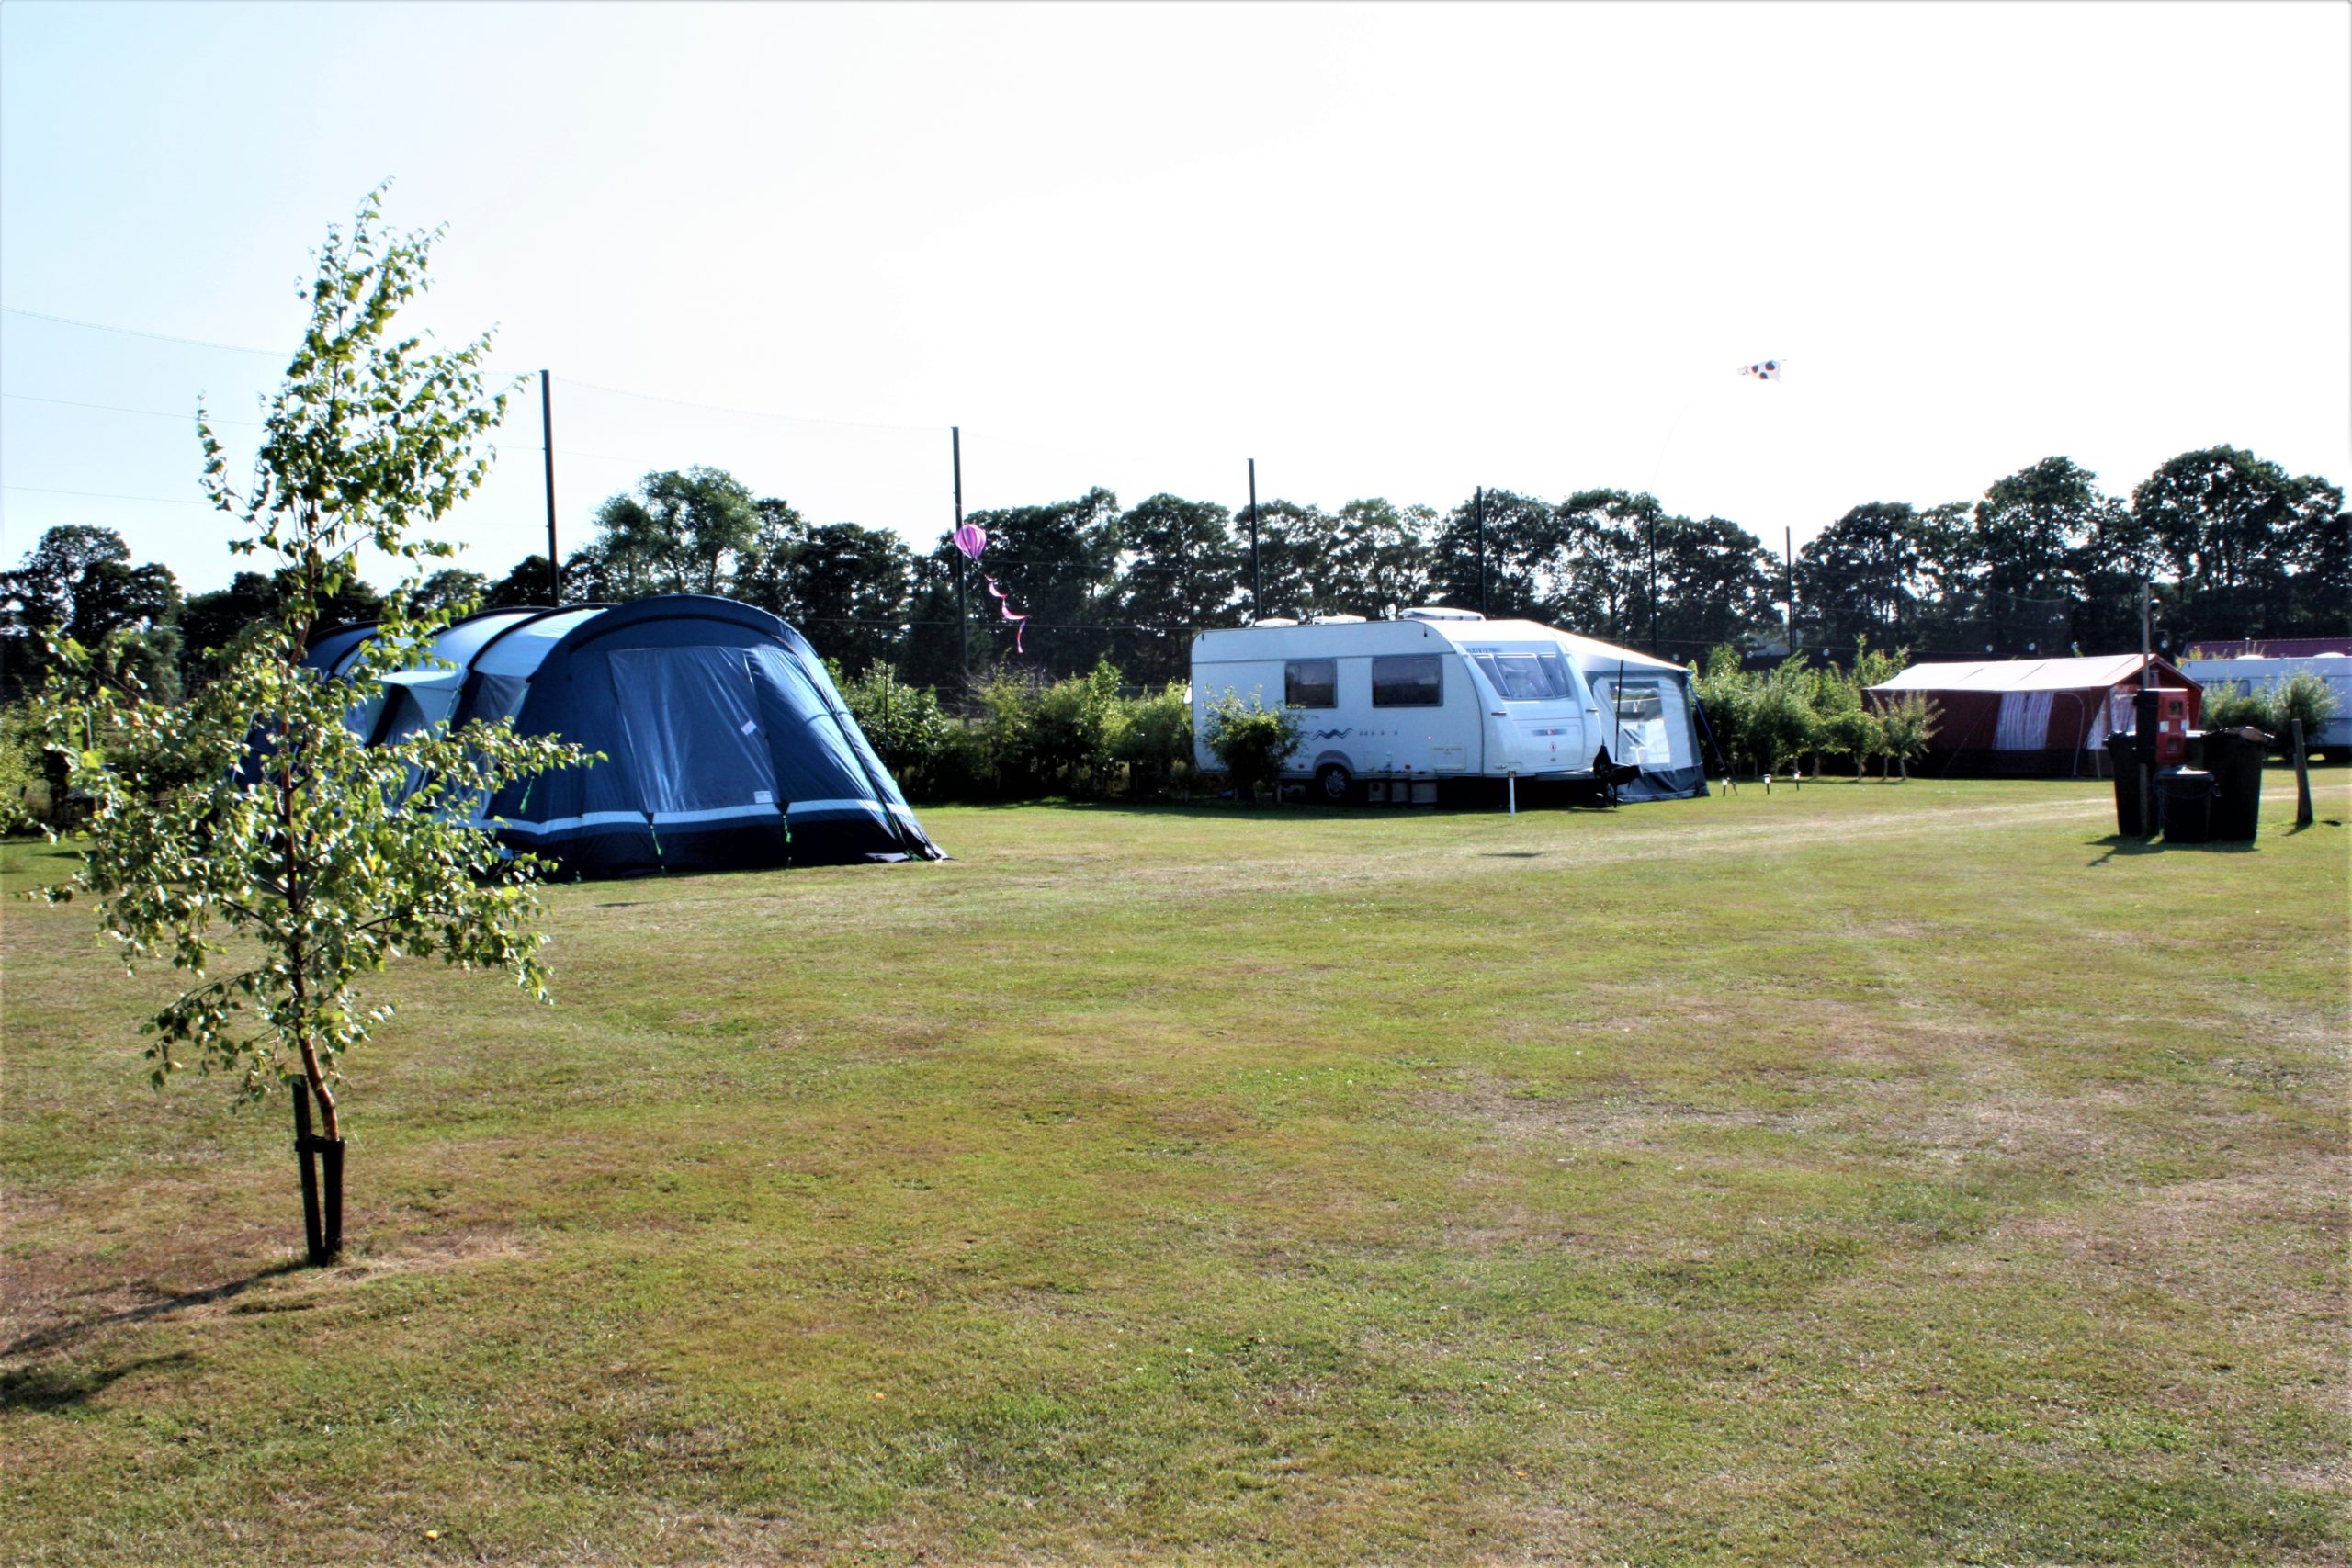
1410, 709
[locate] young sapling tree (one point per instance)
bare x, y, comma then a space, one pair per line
249, 836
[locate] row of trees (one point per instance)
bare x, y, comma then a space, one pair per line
2044, 562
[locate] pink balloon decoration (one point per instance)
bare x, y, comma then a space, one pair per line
971, 539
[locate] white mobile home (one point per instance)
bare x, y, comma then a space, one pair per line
1417, 708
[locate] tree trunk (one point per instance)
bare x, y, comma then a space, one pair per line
321, 1160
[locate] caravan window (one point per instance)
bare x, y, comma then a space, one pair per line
1311, 683
1528, 677
1408, 681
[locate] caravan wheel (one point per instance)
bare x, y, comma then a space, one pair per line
1334, 785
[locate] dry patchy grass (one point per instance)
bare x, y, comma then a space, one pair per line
1874, 1173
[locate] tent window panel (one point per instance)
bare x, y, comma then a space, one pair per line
1311, 683
691, 724
1408, 681
1635, 700
1637, 707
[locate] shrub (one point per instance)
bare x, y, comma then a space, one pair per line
1250, 741
998, 756
2304, 695
1782, 725
1729, 696
1854, 732
23, 787
1908, 724
1157, 745
1074, 728
2229, 704
904, 724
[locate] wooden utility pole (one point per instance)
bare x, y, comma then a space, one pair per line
2304, 813
962, 618
1650, 531
1257, 581
546, 432
1789, 580
1478, 510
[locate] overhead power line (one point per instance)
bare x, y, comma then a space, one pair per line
134, 332
109, 495
118, 408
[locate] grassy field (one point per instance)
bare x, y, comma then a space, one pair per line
1876, 1173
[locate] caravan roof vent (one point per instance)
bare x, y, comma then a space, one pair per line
1276, 621
1335, 620
1440, 613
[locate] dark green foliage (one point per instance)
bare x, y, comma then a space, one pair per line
1250, 741
2229, 704
1058, 564
1182, 571
1074, 730
210, 624
2266, 552
451, 589
77, 582
1157, 743
844, 587
1776, 720
904, 724
2042, 564
524, 587
2273, 709
677, 533
1864, 575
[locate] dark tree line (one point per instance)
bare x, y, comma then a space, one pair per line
2043, 562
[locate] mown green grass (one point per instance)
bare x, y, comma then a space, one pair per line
1874, 1173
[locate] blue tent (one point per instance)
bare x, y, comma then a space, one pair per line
726, 744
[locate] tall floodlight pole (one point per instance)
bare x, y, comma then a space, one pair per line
1479, 511
1257, 581
546, 434
2147, 614
963, 619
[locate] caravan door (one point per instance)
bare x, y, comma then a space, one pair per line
1535, 717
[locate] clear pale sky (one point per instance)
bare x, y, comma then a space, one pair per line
1391, 250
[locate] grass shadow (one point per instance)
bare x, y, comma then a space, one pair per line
2131, 844
66, 1334
54, 1387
